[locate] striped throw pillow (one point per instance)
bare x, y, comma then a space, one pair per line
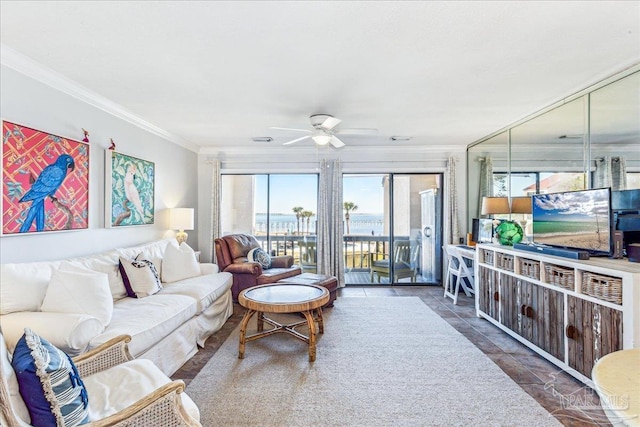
49, 383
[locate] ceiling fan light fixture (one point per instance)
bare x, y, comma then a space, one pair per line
321, 139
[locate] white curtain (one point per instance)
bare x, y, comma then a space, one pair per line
610, 172
486, 180
215, 207
330, 258
451, 204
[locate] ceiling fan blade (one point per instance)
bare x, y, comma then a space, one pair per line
356, 131
297, 130
296, 140
335, 141
330, 123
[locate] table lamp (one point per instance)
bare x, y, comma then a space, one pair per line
181, 219
495, 205
521, 205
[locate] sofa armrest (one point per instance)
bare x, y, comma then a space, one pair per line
252, 268
163, 407
208, 268
111, 353
282, 261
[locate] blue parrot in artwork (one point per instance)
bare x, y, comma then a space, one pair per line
45, 185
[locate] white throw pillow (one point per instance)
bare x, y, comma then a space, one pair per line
23, 285
140, 277
179, 263
74, 289
106, 262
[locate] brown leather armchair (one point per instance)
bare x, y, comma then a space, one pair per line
231, 252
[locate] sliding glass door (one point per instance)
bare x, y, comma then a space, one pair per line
280, 210
393, 231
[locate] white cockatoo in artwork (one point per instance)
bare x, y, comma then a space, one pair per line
130, 190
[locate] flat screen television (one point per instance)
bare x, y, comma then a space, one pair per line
574, 220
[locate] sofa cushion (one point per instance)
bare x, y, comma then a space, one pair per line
140, 277
260, 256
179, 263
24, 285
74, 289
49, 383
138, 377
204, 289
272, 275
147, 320
69, 332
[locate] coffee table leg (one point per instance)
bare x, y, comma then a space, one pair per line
320, 320
260, 321
243, 331
312, 335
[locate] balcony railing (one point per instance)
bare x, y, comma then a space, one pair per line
356, 247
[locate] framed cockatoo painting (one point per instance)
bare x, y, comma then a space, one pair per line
45, 181
129, 190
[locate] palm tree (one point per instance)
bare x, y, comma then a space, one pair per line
349, 207
307, 215
298, 211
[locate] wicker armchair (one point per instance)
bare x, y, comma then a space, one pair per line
162, 407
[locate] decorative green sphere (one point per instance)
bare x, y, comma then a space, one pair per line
509, 232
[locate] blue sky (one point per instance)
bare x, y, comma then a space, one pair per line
572, 206
290, 190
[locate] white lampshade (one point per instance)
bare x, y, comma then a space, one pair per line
181, 219
521, 205
495, 205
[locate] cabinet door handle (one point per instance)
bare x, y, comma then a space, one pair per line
496, 296
571, 332
526, 311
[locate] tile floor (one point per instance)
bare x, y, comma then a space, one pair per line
566, 398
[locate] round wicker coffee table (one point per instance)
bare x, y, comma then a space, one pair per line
277, 298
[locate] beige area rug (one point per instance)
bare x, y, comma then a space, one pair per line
381, 362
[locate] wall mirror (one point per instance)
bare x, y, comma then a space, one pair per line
588, 140
482, 162
615, 134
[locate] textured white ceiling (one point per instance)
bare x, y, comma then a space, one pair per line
218, 73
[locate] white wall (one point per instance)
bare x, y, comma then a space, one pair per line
32, 103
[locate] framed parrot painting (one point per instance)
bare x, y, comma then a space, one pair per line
45, 181
129, 190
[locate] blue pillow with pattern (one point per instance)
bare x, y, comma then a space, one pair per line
49, 383
260, 256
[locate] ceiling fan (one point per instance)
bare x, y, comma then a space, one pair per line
324, 131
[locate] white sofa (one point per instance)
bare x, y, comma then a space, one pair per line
165, 327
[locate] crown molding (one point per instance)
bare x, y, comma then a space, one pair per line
385, 150
30, 68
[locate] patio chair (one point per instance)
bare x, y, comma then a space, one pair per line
405, 262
